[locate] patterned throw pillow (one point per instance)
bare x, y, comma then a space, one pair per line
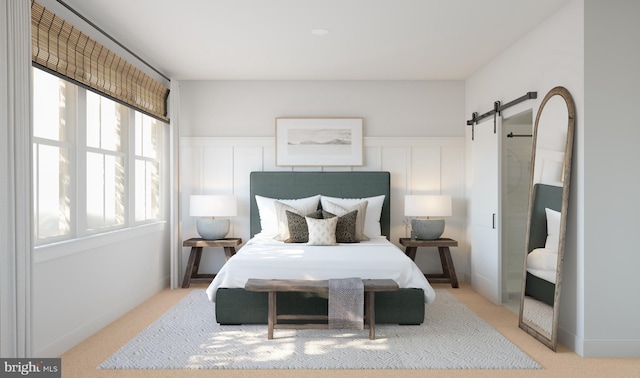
346, 226
298, 230
322, 231
361, 207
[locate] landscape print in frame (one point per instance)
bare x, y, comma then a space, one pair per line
319, 141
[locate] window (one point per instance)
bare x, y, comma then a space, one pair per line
147, 155
53, 120
106, 130
97, 163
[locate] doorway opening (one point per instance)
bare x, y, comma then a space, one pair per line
516, 175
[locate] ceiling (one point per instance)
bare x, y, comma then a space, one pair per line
272, 39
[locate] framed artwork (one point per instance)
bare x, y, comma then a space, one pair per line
319, 141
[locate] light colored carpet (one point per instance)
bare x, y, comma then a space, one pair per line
187, 337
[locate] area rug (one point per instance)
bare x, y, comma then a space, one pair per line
451, 337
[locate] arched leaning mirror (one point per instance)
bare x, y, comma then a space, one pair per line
547, 216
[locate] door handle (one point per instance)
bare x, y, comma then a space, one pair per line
493, 221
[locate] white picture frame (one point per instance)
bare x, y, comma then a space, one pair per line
330, 141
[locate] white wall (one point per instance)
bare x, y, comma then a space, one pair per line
389, 108
412, 129
81, 286
78, 287
611, 179
593, 322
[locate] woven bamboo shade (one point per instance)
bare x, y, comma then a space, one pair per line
58, 46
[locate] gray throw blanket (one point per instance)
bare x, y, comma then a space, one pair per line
346, 303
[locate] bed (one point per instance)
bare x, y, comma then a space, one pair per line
543, 243
263, 256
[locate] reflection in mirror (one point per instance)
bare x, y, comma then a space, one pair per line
546, 223
516, 154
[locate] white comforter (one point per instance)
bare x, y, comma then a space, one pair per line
263, 257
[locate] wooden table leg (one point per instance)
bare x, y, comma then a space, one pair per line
192, 266
447, 266
196, 265
272, 315
371, 314
229, 252
411, 252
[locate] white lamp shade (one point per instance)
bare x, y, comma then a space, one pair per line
213, 206
427, 206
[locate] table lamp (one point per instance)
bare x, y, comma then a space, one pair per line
426, 206
208, 207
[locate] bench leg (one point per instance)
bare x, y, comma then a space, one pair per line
272, 316
371, 314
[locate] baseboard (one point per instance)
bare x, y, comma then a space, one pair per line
599, 348
611, 349
570, 340
486, 288
81, 333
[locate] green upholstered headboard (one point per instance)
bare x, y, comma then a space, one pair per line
293, 185
544, 196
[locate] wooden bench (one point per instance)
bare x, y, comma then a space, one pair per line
371, 286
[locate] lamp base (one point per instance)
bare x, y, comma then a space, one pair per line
211, 229
427, 229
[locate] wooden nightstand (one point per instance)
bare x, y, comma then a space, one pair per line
196, 244
448, 271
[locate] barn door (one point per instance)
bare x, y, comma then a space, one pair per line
485, 210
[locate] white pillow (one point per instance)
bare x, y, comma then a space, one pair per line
374, 211
281, 217
322, 231
361, 207
267, 210
553, 229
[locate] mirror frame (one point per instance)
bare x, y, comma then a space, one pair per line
550, 341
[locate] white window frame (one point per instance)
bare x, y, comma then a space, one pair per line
132, 171
78, 150
125, 155
70, 143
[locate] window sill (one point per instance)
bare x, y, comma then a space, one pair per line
69, 247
